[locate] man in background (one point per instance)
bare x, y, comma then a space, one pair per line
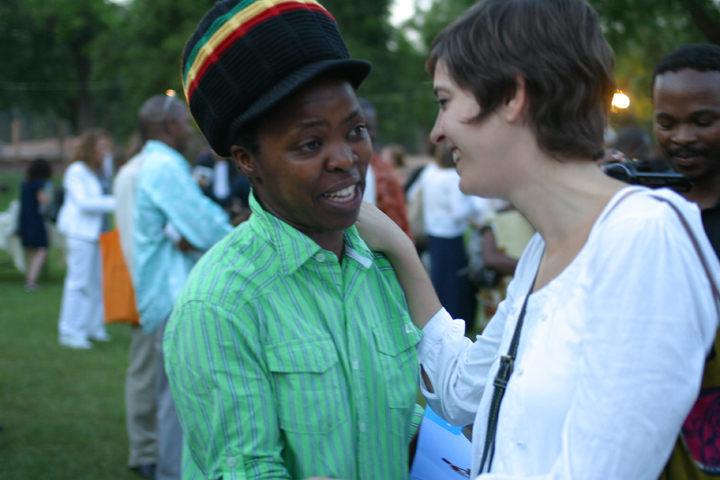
221, 181
170, 211
686, 99
140, 380
382, 188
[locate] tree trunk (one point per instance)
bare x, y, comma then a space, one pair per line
83, 102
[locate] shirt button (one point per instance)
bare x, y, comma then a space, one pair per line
356, 365
320, 257
363, 428
231, 462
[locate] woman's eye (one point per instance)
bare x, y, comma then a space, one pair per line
359, 132
310, 146
704, 122
442, 102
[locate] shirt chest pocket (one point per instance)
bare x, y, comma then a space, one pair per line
308, 385
397, 357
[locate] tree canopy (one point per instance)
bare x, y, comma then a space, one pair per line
93, 62
641, 32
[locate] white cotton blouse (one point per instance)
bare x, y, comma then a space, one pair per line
610, 357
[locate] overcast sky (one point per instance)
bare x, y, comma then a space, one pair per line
401, 10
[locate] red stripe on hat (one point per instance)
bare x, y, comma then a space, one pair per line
266, 14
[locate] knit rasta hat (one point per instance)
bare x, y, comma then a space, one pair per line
247, 55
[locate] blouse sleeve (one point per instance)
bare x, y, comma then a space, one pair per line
457, 367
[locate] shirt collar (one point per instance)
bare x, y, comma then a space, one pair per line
356, 249
296, 248
156, 146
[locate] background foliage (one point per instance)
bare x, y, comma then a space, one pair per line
93, 62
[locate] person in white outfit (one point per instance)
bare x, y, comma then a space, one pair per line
593, 361
448, 213
81, 219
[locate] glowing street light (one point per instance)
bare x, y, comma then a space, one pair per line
620, 100
171, 93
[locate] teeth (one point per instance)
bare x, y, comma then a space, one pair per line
343, 194
456, 155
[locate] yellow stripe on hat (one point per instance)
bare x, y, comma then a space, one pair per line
213, 48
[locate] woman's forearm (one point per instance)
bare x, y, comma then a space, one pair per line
423, 302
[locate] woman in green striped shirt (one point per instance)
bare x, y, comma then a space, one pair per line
290, 351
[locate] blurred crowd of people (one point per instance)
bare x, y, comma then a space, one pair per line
238, 333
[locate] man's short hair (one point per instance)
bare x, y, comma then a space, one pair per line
699, 56
557, 46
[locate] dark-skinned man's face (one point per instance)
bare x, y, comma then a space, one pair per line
687, 121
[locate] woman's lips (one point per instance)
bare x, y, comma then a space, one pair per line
346, 195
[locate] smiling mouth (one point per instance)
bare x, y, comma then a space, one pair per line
346, 195
455, 155
687, 160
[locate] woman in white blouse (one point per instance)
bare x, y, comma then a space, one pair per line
82, 218
620, 311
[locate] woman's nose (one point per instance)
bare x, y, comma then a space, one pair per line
437, 135
341, 158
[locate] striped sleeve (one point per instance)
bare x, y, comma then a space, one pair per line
224, 398
416, 420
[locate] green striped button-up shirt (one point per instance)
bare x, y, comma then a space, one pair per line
285, 363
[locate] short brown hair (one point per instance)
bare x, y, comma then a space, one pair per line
558, 48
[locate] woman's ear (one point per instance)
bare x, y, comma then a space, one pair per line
514, 108
246, 162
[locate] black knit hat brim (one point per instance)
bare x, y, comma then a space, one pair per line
354, 70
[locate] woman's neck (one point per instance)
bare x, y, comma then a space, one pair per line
330, 240
561, 198
92, 166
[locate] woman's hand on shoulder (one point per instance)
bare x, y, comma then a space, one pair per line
383, 235
380, 232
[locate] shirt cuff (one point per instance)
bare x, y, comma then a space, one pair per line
440, 328
437, 326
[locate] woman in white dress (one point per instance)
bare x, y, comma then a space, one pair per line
617, 291
81, 219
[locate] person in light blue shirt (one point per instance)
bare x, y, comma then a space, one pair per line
173, 222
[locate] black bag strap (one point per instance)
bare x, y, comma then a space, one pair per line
500, 383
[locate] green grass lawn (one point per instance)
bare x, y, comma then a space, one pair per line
62, 410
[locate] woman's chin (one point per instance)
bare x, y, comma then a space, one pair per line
479, 189
468, 188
